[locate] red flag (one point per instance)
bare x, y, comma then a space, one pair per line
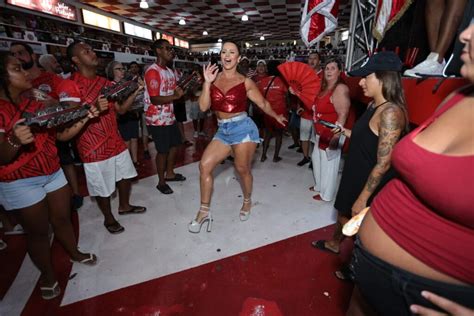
388, 13
319, 18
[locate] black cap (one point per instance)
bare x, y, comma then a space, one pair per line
383, 61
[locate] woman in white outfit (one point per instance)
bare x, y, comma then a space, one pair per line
332, 105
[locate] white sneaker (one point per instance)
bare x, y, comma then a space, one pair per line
195, 134
429, 67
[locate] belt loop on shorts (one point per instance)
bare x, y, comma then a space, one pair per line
233, 119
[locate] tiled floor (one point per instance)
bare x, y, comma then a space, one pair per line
264, 266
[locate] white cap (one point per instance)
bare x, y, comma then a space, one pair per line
261, 61
244, 58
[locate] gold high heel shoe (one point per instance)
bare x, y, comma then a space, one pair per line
195, 226
244, 215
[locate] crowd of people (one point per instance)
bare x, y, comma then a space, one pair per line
400, 176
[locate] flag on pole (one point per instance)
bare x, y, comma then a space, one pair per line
319, 18
388, 13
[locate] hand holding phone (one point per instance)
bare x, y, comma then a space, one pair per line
327, 124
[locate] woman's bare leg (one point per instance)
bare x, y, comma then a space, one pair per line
59, 209
243, 159
34, 220
433, 13
215, 153
133, 148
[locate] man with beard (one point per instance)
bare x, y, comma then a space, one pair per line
50, 64
48, 81
160, 92
105, 157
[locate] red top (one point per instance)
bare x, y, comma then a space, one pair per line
276, 96
99, 139
36, 159
233, 101
324, 110
429, 211
48, 83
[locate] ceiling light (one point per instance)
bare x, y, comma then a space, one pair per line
182, 22
262, 38
144, 4
205, 33
245, 17
219, 40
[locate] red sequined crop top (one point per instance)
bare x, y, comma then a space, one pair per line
233, 101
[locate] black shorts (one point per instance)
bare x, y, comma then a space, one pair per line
65, 153
128, 125
179, 109
390, 290
165, 137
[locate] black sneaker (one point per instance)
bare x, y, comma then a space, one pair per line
310, 166
292, 146
303, 162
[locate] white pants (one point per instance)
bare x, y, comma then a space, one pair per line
325, 171
102, 176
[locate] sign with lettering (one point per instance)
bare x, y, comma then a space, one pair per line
53, 7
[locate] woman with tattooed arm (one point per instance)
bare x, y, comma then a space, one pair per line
367, 167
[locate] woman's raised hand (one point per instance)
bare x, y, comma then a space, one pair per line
210, 72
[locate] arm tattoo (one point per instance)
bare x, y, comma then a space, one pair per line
391, 126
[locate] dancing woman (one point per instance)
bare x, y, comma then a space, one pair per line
226, 93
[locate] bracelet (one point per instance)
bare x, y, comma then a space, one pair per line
12, 143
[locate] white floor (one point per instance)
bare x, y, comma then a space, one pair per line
158, 243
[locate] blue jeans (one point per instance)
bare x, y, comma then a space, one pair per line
391, 290
236, 130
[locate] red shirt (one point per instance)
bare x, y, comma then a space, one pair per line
276, 96
99, 139
159, 81
428, 211
48, 83
36, 159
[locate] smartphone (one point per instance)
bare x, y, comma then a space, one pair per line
327, 124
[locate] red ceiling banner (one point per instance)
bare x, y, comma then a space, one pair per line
53, 7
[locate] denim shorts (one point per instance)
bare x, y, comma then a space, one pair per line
390, 290
29, 191
237, 130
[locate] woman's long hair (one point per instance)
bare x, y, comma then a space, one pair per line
392, 90
4, 82
324, 83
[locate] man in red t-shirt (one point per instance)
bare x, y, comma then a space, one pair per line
107, 161
160, 92
49, 82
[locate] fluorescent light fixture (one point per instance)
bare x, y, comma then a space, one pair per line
262, 38
144, 4
205, 33
219, 40
245, 17
345, 35
182, 22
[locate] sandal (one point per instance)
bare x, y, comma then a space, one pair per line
89, 261
48, 293
345, 274
177, 177
244, 215
165, 189
133, 210
114, 228
321, 245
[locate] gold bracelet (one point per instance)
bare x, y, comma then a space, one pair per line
12, 143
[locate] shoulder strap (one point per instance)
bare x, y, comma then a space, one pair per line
268, 86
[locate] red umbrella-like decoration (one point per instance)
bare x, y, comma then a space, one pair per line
302, 79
